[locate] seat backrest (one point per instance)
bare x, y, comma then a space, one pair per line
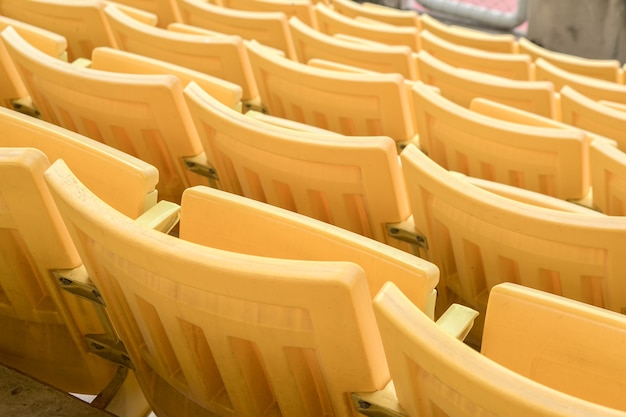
513, 66
216, 331
583, 112
302, 9
547, 160
461, 86
569, 346
313, 44
608, 178
468, 37
331, 22
591, 87
479, 239
347, 103
81, 22
267, 28
224, 57
604, 69
354, 183
143, 115
166, 10
378, 12
435, 374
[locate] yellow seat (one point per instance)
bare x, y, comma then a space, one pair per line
302, 9
549, 160
604, 69
583, 112
223, 57
352, 182
468, 37
461, 86
608, 178
312, 44
331, 22
166, 11
513, 66
347, 103
377, 12
215, 332
267, 28
566, 345
143, 115
591, 87
436, 375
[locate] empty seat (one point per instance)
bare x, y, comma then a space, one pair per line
377, 12
312, 44
302, 9
348, 103
552, 161
513, 66
215, 331
608, 178
461, 86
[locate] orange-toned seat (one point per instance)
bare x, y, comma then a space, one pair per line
434, 374
312, 44
604, 69
166, 11
144, 115
513, 66
377, 12
223, 57
221, 332
461, 86
302, 9
348, 103
468, 37
550, 160
331, 22
267, 28
608, 178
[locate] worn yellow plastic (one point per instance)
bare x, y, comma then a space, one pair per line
513, 66
143, 115
435, 374
223, 57
377, 12
166, 10
568, 346
347, 103
331, 22
591, 87
468, 37
608, 178
213, 331
310, 43
267, 28
352, 182
461, 86
585, 113
552, 161
302, 9
604, 69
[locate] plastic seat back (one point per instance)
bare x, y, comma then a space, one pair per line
461, 86
267, 28
354, 183
513, 66
608, 178
301, 9
347, 103
166, 10
435, 374
211, 331
551, 161
378, 12
569, 346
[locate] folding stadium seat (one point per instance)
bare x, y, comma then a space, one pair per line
352, 182
352, 104
469, 37
591, 87
377, 12
604, 69
47, 333
331, 22
166, 11
436, 375
514, 66
312, 44
13, 93
549, 160
267, 28
223, 57
221, 332
461, 86
608, 178
115, 102
581, 111
302, 9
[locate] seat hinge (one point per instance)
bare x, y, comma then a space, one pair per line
202, 168
76, 281
383, 403
405, 231
110, 349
